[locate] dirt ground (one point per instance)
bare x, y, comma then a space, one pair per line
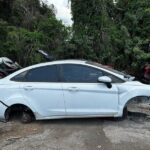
77, 134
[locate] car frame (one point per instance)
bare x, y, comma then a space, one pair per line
101, 92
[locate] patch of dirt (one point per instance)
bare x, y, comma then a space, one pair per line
128, 132
78, 134
18, 130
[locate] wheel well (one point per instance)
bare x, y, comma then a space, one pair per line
17, 109
137, 99
138, 106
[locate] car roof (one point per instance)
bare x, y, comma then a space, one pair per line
59, 62
71, 61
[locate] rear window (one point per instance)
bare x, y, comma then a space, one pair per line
40, 74
20, 77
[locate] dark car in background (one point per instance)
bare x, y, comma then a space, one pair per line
146, 75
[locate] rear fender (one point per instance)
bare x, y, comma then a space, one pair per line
18, 99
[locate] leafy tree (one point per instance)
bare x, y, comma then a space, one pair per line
109, 33
3, 36
91, 27
112, 33
56, 34
132, 18
6, 9
28, 26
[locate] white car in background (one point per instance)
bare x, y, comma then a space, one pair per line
67, 89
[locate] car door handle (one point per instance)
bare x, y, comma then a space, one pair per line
28, 88
73, 89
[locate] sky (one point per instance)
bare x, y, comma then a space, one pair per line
63, 10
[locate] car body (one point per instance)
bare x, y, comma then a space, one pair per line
69, 89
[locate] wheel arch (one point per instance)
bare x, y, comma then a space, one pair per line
132, 98
19, 99
126, 99
138, 98
18, 106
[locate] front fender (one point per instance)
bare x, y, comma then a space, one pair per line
128, 93
125, 97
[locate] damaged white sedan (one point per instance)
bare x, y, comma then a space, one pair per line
67, 89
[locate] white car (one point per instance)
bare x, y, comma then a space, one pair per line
67, 89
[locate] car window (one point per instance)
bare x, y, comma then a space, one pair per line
20, 77
40, 74
43, 74
114, 78
107, 68
80, 73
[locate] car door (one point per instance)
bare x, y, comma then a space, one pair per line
42, 89
84, 95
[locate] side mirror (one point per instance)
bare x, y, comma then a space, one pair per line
106, 80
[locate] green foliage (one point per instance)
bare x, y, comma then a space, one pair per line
5, 9
55, 33
27, 27
111, 33
21, 45
133, 20
91, 29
